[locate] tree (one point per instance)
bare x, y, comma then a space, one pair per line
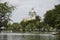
5, 13
15, 27
38, 22
31, 24
52, 17
30, 27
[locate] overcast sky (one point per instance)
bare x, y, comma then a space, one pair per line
24, 6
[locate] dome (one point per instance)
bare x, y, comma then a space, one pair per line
32, 12
32, 15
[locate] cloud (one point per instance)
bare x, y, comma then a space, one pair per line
41, 6
24, 6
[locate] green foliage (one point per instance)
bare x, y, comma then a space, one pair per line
5, 13
52, 17
31, 24
38, 18
15, 27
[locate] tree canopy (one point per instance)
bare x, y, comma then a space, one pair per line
31, 24
52, 17
5, 13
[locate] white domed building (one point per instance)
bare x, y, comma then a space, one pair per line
31, 16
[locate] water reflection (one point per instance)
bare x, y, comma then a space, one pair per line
3, 37
29, 37
22, 37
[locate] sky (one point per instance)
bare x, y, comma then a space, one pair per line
24, 6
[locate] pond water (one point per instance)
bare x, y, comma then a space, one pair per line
29, 37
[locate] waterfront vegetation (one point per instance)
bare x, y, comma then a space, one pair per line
51, 21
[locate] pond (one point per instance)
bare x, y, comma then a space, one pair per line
18, 36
